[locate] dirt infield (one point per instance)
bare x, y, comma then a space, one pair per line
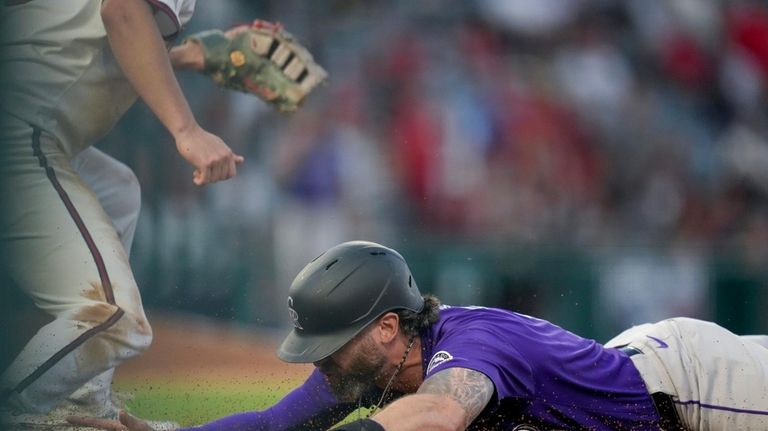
188, 347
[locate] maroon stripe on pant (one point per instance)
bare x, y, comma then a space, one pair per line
103, 275
106, 284
67, 349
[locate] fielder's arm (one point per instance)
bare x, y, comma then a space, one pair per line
139, 49
449, 400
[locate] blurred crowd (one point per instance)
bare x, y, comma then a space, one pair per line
635, 131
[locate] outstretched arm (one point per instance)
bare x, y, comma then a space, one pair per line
139, 49
449, 400
309, 407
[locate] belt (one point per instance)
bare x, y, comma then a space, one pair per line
669, 420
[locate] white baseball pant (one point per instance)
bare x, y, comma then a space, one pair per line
62, 249
717, 379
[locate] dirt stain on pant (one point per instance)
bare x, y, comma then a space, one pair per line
95, 292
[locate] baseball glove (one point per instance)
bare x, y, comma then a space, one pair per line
261, 59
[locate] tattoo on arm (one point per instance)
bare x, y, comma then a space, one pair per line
470, 388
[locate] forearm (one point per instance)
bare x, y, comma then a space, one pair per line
249, 421
422, 412
139, 49
311, 406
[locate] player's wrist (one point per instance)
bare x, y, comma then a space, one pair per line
362, 425
184, 129
187, 56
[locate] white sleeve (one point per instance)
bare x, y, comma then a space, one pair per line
172, 15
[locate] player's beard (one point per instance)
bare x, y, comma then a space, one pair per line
366, 367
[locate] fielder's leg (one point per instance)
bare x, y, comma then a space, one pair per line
64, 252
116, 187
118, 191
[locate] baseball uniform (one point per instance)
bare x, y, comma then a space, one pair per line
718, 381
546, 378
64, 90
543, 376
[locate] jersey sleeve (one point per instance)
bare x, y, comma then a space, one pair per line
171, 15
309, 407
481, 347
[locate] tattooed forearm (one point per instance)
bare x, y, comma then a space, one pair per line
469, 388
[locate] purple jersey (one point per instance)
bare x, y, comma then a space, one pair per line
543, 375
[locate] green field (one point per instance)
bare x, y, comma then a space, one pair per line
197, 403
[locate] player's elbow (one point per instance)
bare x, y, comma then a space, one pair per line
116, 14
448, 415
432, 412
112, 13
444, 424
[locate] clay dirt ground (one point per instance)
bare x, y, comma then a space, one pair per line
199, 370
186, 347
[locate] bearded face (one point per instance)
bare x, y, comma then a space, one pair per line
366, 364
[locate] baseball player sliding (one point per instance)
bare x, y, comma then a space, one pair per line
375, 340
71, 70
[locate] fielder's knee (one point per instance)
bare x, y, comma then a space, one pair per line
126, 334
124, 211
132, 188
138, 333
129, 192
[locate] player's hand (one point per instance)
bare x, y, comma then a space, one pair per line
260, 58
104, 424
132, 423
127, 422
212, 158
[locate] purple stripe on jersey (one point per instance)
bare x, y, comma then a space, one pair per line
164, 8
727, 409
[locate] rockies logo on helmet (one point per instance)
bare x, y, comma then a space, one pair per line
294, 315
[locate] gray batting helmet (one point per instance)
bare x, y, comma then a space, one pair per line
339, 293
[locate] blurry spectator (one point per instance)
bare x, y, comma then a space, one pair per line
636, 125
333, 181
